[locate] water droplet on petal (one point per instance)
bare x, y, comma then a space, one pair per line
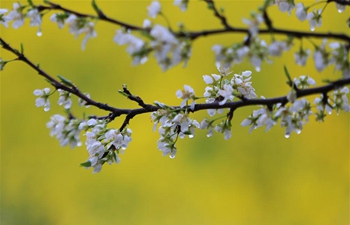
298, 131
340, 10
257, 68
312, 28
172, 156
287, 135
191, 136
39, 33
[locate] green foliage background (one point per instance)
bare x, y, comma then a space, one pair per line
258, 178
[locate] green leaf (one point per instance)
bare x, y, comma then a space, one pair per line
288, 75
65, 81
22, 49
123, 93
327, 81
30, 2
98, 10
46, 1
86, 164
94, 5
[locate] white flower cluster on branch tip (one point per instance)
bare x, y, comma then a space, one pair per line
224, 92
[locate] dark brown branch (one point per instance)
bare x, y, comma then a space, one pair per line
341, 2
227, 28
146, 108
100, 16
73, 90
222, 18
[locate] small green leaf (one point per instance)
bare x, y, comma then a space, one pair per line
288, 75
46, 1
98, 10
22, 49
94, 5
123, 93
65, 81
30, 2
86, 164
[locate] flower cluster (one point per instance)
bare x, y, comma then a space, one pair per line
17, 16
66, 130
77, 25
168, 50
296, 114
104, 144
222, 90
174, 123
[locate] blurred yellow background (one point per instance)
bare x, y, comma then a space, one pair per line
258, 178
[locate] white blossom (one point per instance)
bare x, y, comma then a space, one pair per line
154, 9
258, 52
65, 99
66, 131
304, 82
182, 4
321, 106
82, 102
89, 32
321, 57
165, 43
301, 56
226, 93
186, 94
260, 117
243, 84
285, 5
301, 11
315, 19
340, 7
147, 23
4, 19
254, 23
16, 15
135, 44
339, 57
78, 25
277, 47
59, 19
340, 99
35, 17
43, 98
225, 128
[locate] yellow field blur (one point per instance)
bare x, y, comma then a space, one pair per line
252, 179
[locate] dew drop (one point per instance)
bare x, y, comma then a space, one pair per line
191, 136
298, 131
39, 33
340, 10
312, 28
287, 135
257, 68
172, 156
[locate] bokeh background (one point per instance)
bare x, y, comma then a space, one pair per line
258, 178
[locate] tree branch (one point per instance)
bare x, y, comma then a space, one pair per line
146, 108
227, 27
